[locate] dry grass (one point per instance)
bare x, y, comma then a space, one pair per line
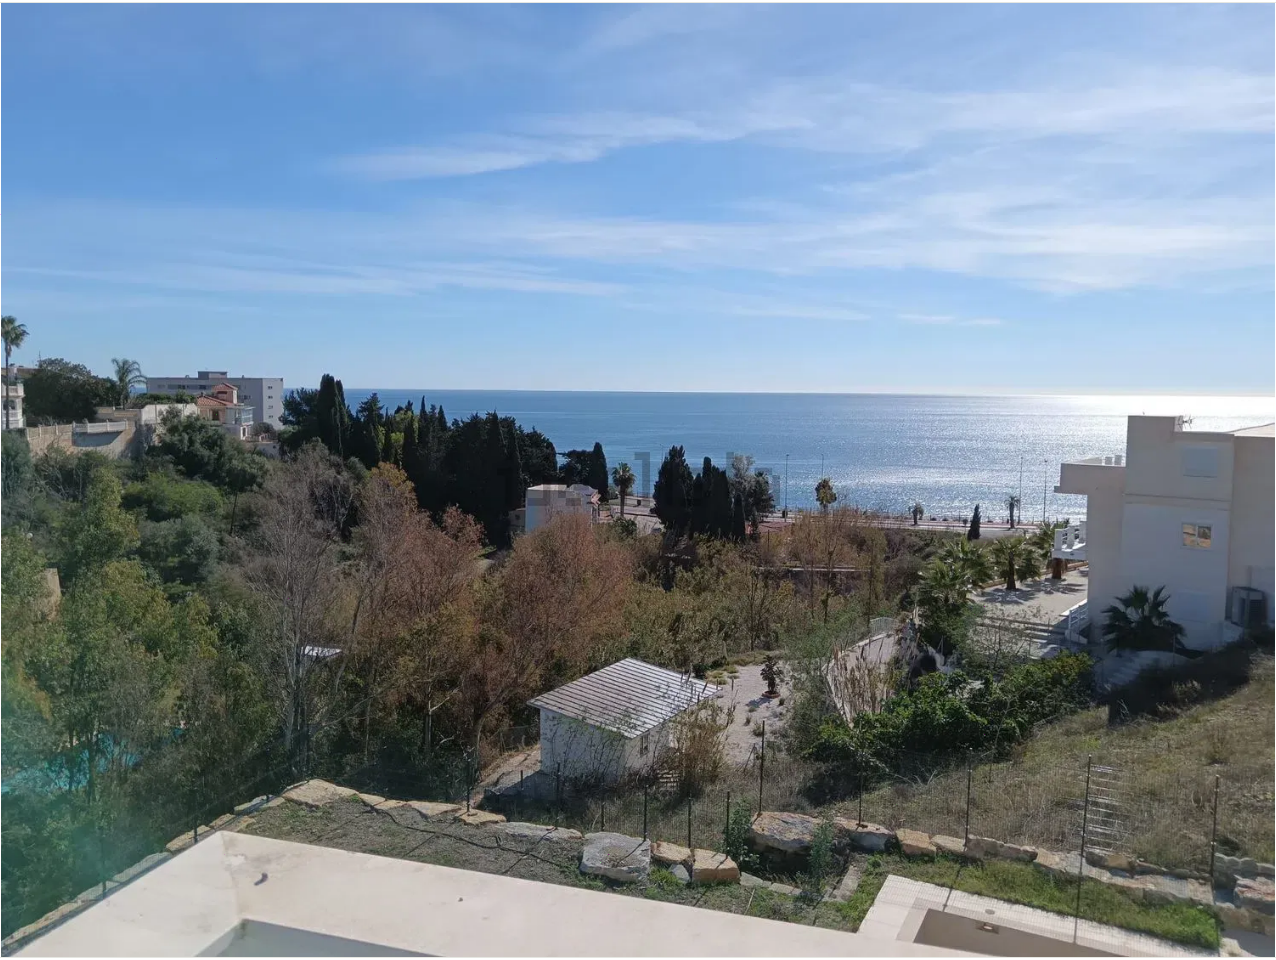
1167, 770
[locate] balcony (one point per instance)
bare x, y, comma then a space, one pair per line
1085, 476
1069, 543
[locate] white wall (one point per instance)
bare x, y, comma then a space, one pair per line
579, 750
1254, 518
543, 505
1195, 578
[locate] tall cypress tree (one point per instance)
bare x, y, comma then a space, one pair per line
598, 476
737, 520
973, 532
671, 494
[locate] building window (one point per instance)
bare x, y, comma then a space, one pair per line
1198, 535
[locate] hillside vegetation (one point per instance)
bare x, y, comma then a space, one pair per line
1165, 770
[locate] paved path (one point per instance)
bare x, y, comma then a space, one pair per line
1038, 601
748, 692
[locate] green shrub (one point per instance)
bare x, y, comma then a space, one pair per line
821, 862
735, 838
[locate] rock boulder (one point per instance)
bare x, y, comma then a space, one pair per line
785, 832
1255, 894
869, 837
711, 867
953, 846
317, 793
669, 853
436, 811
914, 843
616, 856
538, 832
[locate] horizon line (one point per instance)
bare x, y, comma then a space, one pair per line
813, 393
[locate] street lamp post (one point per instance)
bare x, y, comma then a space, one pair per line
786, 486
1045, 475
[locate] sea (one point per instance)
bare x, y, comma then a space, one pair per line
882, 452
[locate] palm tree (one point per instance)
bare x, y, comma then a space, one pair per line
825, 495
624, 479
1015, 558
1012, 504
1042, 539
13, 334
943, 584
128, 374
918, 512
1138, 621
967, 559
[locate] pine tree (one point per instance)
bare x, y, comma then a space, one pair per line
973, 532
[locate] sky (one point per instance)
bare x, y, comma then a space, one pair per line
927, 199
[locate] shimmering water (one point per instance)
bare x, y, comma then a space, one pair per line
881, 451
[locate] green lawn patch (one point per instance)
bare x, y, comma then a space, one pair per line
1023, 883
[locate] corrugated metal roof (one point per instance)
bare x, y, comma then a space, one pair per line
629, 697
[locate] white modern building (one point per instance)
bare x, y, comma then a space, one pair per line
14, 394
548, 500
264, 394
1191, 511
615, 720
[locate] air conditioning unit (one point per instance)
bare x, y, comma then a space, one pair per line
1247, 607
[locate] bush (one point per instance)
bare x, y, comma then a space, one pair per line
735, 838
698, 755
821, 862
951, 714
1167, 691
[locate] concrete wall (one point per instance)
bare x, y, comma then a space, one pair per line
1104, 488
544, 505
1253, 518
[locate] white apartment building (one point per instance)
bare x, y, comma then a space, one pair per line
548, 500
1191, 511
264, 394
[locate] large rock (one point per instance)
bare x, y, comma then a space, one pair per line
986, 848
914, 843
538, 832
317, 793
1255, 894
1110, 861
479, 818
616, 856
786, 832
668, 853
749, 880
870, 837
436, 811
711, 867
953, 846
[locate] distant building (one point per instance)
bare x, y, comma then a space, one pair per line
1191, 511
14, 418
548, 500
614, 720
222, 406
264, 394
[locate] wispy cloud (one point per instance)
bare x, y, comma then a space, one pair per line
946, 320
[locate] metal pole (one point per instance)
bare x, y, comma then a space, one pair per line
1021, 483
970, 775
689, 847
558, 787
603, 814
859, 774
1214, 837
1085, 822
762, 767
644, 811
726, 829
469, 781
1045, 466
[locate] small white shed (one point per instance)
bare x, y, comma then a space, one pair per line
615, 720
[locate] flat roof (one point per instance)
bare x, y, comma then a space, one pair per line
628, 697
1266, 430
232, 893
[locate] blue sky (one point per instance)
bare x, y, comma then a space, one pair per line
1044, 199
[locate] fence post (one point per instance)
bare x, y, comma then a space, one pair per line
726, 827
970, 775
689, 847
558, 788
859, 775
1214, 837
1085, 818
761, 767
469, 780
644, 810
603, 813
